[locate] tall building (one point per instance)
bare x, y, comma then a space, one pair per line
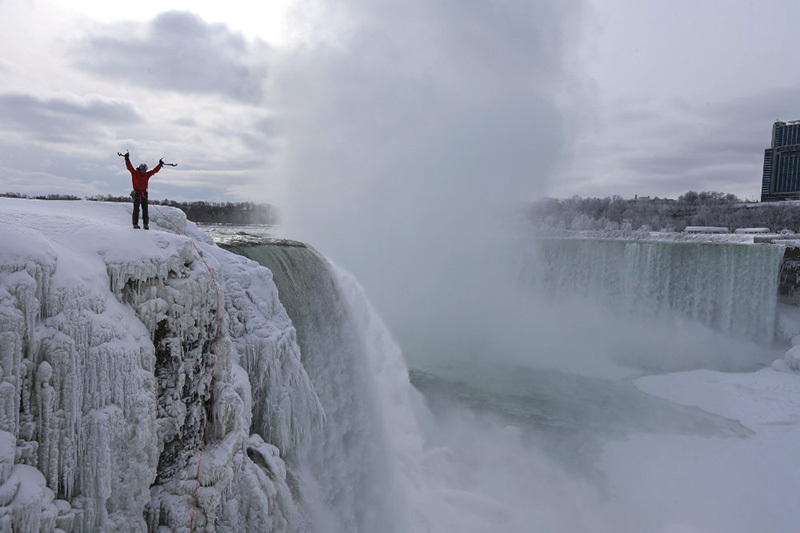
781, 178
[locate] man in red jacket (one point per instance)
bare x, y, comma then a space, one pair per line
140, 176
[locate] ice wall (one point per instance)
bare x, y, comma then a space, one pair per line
76, 371
730, 287
107, 345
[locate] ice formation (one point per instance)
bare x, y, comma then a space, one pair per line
791, 359
108, 338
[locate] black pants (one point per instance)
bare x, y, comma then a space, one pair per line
140, 197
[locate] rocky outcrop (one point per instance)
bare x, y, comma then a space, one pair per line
789, 278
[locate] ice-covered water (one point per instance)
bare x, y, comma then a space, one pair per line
220, 231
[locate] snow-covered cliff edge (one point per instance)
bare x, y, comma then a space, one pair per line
108, 340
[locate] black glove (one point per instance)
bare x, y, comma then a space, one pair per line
125, 155
161, 162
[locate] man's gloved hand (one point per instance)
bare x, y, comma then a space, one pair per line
161, 162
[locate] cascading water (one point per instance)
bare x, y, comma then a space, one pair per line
348, 476
509, 445
362, 471
732, 288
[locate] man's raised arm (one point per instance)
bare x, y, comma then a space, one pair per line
158, 167
128, 163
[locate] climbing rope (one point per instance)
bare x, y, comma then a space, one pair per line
213, 362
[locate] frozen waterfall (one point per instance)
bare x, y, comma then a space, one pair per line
730, 287
350, 475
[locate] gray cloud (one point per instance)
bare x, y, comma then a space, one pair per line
187, 122
665, 149
178, 51
698, 156
256, 133
751, 110
29, 168
63, 119
59, 147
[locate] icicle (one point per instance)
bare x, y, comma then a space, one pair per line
47, 425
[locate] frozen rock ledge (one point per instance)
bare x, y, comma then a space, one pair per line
108, 338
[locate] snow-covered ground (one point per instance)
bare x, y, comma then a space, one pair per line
685, 452
695, 484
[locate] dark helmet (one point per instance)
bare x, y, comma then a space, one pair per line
142, 168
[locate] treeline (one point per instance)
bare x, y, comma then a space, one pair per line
199, 211
40, 197
664, 214
226, 212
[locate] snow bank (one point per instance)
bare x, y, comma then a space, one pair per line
723, 483
791, 360
107, 345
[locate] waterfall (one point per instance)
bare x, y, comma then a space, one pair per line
732, 288
348, 479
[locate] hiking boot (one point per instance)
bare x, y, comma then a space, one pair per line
136, 226
147, 227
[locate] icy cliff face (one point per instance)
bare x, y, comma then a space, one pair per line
108, 340
730, 287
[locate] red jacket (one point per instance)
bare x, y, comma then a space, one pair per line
140, 179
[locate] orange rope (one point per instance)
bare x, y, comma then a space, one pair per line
213, 364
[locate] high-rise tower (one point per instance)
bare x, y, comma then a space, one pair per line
781, 178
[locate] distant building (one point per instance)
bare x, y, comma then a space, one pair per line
705, 229
752, 230
781, 178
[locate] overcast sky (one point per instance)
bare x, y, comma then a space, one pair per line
329, 98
